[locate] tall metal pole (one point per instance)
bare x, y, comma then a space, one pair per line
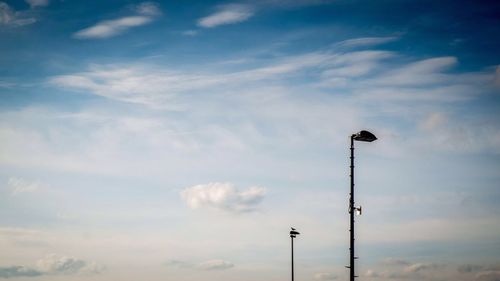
366, 137
351, 212
291, 237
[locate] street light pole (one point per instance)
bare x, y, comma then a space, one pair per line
293, 234
351, 213
366, 137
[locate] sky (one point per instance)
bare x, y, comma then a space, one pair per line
180, 140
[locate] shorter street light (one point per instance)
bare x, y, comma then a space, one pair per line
293, 234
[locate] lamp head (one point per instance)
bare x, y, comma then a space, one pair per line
364, 136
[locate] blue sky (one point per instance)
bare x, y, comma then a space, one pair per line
180, 140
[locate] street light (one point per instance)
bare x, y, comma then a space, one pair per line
366, 137
293, 234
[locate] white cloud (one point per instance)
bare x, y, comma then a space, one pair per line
325, 276
354, 65
215, 265
237, 12
52, 264
223, 196
38, 3
137, 84
58, 264
146, 12
148, 9
365, 42
10, 17
111, 28
227, 14
19, 185
419, 267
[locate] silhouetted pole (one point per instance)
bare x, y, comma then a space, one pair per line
351, 213
293, 234
367, 137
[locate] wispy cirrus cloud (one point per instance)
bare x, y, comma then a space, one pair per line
386, 75
111, 28
354, 76
145, 13
227, 14
366, 42
423, 72
155, 86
